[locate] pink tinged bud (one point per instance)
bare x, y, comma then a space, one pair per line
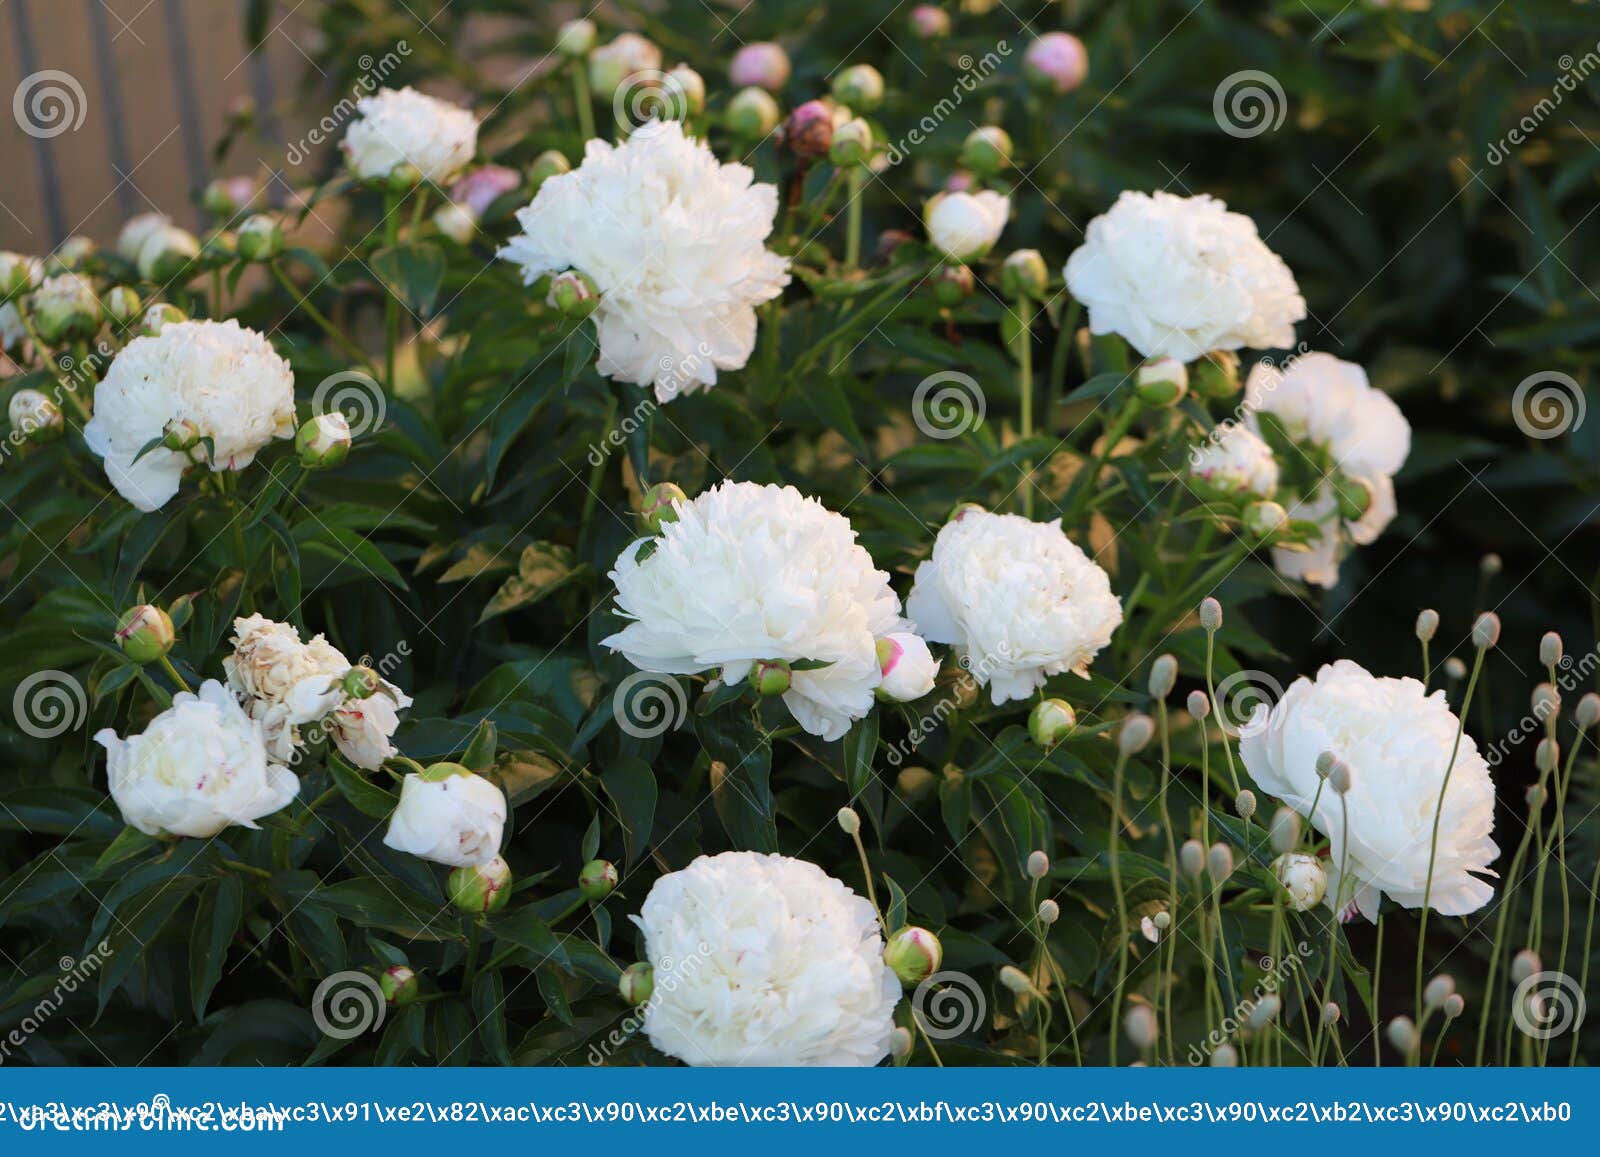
773, 677
546, 165
573, 294
323, 441
1198, 704
913, 954
145, 633
929, 22
907, 667
1525, 964
1437, 990
1588, 712
1050, 722
808, 132
659, 506
597, 880
483, 186
1056, 62
752, 114
482, 888
761, 64
1038, 865
637, 983
399, 985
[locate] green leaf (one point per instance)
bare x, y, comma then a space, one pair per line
413, 273
365, 796
631, 784
741, 788
130, 940
129, 844
488, 1009
527, 930
542, 569
217, 919
479, 757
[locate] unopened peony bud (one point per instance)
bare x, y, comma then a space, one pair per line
1402, 1034
166, 253
686, 90
913, 954
35, 417
547, 164
225, 196
1285, 830
576, 39
260, 238
809, 130
1303, 878
1340, 777
362, 682
1192, 858
1038, 865
1437, 989
612, 64
1198, 704
860, 87
597, 879
1139, 1022
69, 255
1219, 862
1051, 721
1454, 669
637, 983
1264, 1013
1014, 979
929, 22
1427, 624
852, 143
1216, 375
1225, 1056
1056, 63
159, 316
1486, 630
752, 114
1162, 920
145, 633
849, 821
573, 294
953, 284
1353, 495
1163, 676
1161, 381
1549, 649
1588, 712
122, 304
456, 221
1453, 1006
18, 274
1245, 803
1265, 518
899, 1043
399, 985
773, 677
986, 151
64, 309
1023, 275
762, 64
1049, 912
323, 441
1525, 964
481, 888
1210, 615
1490, 565
1135, 734
1330, 1013
659, 506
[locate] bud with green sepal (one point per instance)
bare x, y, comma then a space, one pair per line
686, 92
159, 316
913, 954
1161, 381
852, 144
122, 304
574, 294
19, 274
1023, 275
1216, 375
597, 880
860, 86
1354, 496
399, 985
1265, 519
64, 309
986, 151
481, 888
145, 633
547, 164
34, 417
953, 284
752, 114
323, 441
166, 253
1051, 721
260, 238
659, 506
637, 983
773, 677
576, 38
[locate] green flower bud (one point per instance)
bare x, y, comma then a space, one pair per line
260, 238
913, 954
573, 294
404, 177
180, 435
69, 255
986, 151
597, 880
546, 165
122, 304
145, 633
1216, 375
752, 114
18, 275
1354, 496
686, 92
158, 316
1265, 518
852, 143
1161, 381
1051, 721
35, 417
576, 38
480, 888
362, 682
860, 86
1023, 275
64, 309
773, 677
637, 983
323, 441
166, 253
849, 821
659, 506
953, 284
399, 985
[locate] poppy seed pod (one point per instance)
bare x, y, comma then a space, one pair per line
1588, 711
900, 1043
1285, 830
1245, 803
1038, 865
1225, 1057
849, 821
1049, 912
1211, 615
1490, 565
1330, 1013
1340, 776
1014, 979
1163, 676
1454, 669
1550, 649
1545, 701
1219, 862
1453, 1006
1439, 987
1192, 858
1135, 735
1427, 624
1139, 1022
1547, 755
1486, 630
1525, 964
1402, 1034
1199, 705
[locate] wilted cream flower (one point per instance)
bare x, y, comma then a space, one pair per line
227, 381
197, 768
765, 960
449, 816
1398, 738
1018, 599
965, 226
1181, 277
406, 127
676, 244
748, 573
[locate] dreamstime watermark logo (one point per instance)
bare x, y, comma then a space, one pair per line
948, 1004
647, 99
1571, 675
73, 974
674, 375
1243, 703
1547, 404
1547, 1004
354, 394
947, 404
1573, 74
374, 71
646, 704
1263, 999
1249, 103
49, 103
49, 703
974, 71
667, 974
347, 1004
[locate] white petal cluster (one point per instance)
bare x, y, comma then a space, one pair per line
751, 572
1397, 740
226, 380
908, 667
407, 127
285, 684
965, 226
1182, 276
676, 244
12, 332
450, 817
137, 230
1235, 459
1019, 600
198, 767
763, 960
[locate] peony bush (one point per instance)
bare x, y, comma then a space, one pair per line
799, 559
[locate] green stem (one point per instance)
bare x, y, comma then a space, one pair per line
303, 304
1115, 842
391, 304
172, 673
852, 242
583, 99
1025, 389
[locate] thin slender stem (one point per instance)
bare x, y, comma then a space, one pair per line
172, 673
852, 242
1025, 388
583, 99
391, 305
303, 304
1115, 843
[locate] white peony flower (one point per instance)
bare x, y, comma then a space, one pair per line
763, 960
1329, 403
1018, 599
674, 241
965, 226
751, 572
362, 728
1397, 740
1182, 276
197, 768
12, 332
449, 816
908, 667
137, 230
227, 381
1318, 562
1236, 460
407, 127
